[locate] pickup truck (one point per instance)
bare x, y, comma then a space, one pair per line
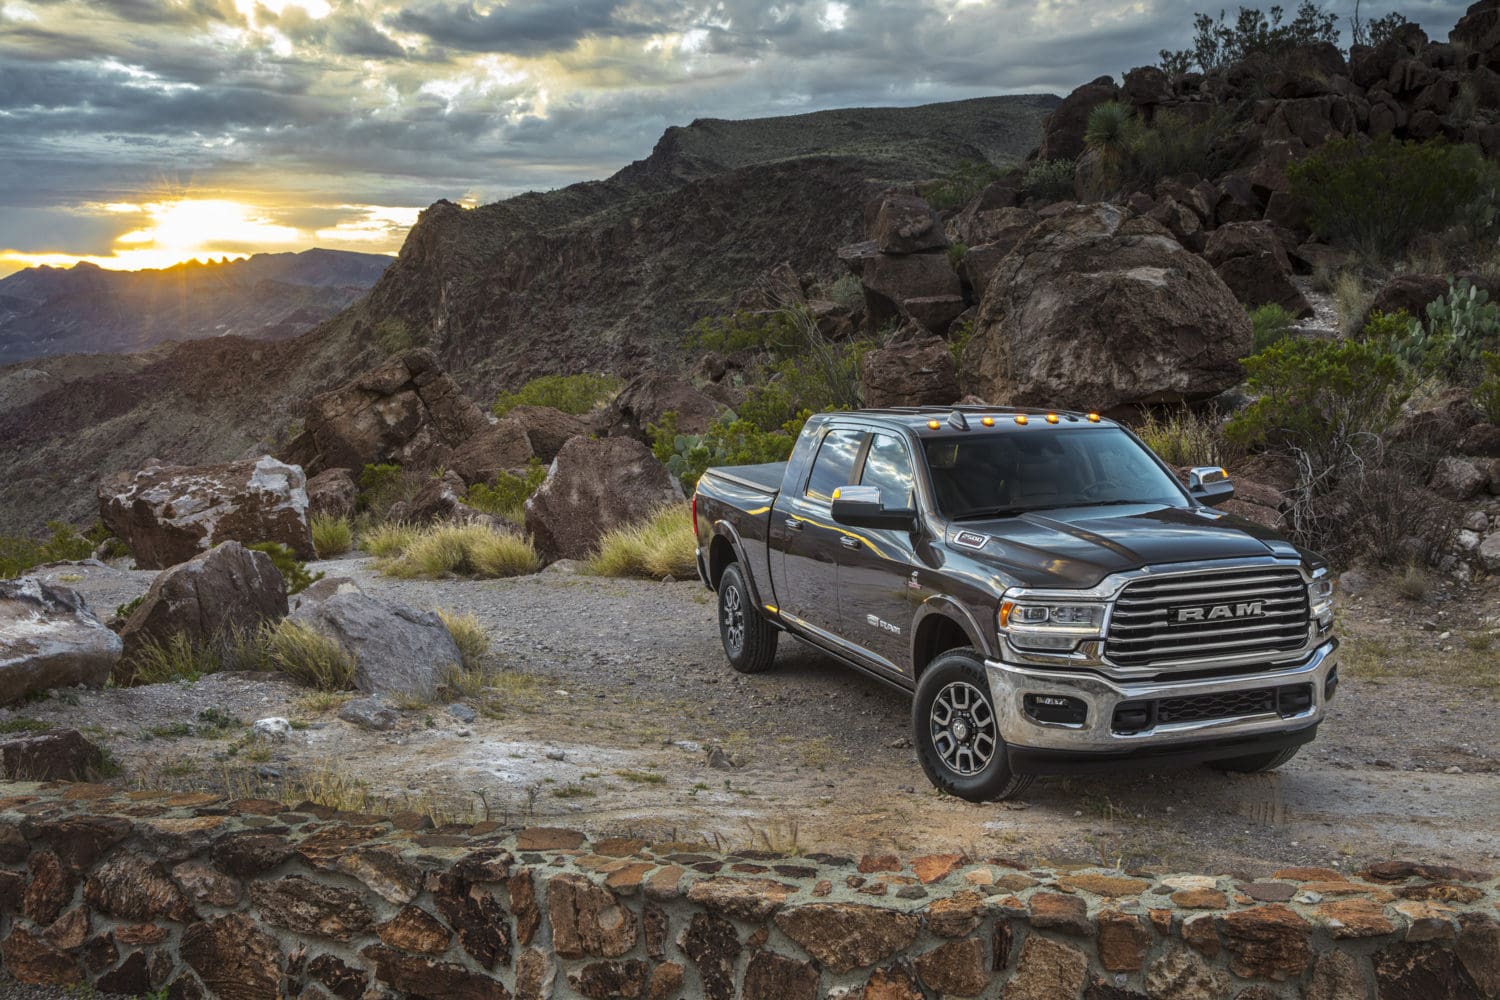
1051, 595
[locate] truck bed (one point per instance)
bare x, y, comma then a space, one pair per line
766, 477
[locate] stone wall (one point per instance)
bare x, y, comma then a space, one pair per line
138, 892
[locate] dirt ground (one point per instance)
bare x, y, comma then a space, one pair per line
615, 712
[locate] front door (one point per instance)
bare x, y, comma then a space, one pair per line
876, 564
806, 539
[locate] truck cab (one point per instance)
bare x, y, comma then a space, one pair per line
1045, 587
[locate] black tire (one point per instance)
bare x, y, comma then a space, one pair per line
1255, 763
749, 640
956, 733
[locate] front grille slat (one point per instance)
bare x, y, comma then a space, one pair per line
1255, 610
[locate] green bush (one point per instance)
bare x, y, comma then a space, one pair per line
1174, 144
1376, 197
1049, 180
1463, 325
1271, 325
381, 485
961, 184
1317, 397
293, 570
773, 332
1109, 132
576, 394
19, 553
1487, 395
847, 292
507, 496
396, 335
1217, 43
730, 440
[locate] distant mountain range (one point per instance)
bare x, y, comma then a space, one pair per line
86, 309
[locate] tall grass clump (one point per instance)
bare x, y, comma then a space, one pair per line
332, 535
1182, 437
292, 570
307, 656
658, 546
386, 541
461, 550
158, 661
472, 640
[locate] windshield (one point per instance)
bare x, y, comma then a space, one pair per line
1013, 472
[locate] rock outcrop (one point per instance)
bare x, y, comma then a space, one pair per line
1097, 308
167, 514
333, 492
647, 397
50, 639
229, 588
504, 446
593, 487
905, 276
407, 411
913, 373
396, 649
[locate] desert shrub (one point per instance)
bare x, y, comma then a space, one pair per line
959, 336
469, 636
576, 394
1219, 42
308, 656
1376, 197
847, 292
1318, 397
956, 254
157, 661
1377, 30
386, 541
1271, 324
1182, 437
730, 440
774, 332
1174, 144
381, 486
1462, 327
460, 549
395, 335
1049, 180
1351, 301
1487, 394
506, 497
332, 535
1109, 132
961, 184
19, 553
657, 546
293, 570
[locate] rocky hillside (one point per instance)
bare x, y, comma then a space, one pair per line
86, 309
604, 275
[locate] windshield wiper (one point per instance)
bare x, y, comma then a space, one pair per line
982, 512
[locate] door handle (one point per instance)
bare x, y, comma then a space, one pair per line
849, 543
793, 524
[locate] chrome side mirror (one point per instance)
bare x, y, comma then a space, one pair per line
1209, 484
861, 507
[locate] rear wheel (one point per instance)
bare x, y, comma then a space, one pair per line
749, 640
1256, 762
957, 734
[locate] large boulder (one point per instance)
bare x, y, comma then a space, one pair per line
442, 500
905, 223
593, 487
1250, 259
227, 589
1062, 132
1097, 308
1000, 227
50, 639
501, 447
646, 398
922, 287
333, 492
914, 373
1478, 31
406, 411
167, 514
59, 755
548, 428
396, 650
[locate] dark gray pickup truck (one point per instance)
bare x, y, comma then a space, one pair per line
1056, 601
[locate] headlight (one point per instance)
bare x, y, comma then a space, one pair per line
1044, 625
1320, 594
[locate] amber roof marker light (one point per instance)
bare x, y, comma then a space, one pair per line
987, 421
933, 425
1051, 418
1021, 419
1093, 418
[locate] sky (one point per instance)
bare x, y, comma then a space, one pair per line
140, 133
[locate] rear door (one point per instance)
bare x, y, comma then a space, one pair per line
876, 565
804, 539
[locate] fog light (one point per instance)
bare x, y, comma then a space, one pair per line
1057, 709
1295, 700
1132, 718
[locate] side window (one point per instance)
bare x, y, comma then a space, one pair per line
834, 465
888, 466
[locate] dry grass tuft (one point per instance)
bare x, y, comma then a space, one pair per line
332, 536
658, 546
387, 541
472, 640
460, 550
308, 657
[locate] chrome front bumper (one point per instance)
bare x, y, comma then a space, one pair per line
1010, 684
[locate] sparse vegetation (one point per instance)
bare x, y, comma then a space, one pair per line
396, 335
1351, 301
332, 535
1487, 395
576, 394
472, 640
381, 486
1271, 325
728, 441
293, 570
961, 184
659, 546
1184, 437
308, 656
19, 553
1413, 583
1049, 180
458, 549
21, 724
387, 541
176, 658
1220, 42
506, 497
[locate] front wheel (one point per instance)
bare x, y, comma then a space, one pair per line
749, 640
957, 734
1255, 763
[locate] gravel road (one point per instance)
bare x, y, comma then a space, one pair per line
616, 713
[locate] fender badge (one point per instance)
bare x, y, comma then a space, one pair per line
971, 539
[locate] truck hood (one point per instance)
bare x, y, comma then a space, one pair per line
1076, 547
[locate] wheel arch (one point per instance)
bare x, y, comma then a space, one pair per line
942, 625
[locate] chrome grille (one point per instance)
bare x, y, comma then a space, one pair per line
1208, 616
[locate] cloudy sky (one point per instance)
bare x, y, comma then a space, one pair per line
137, 133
